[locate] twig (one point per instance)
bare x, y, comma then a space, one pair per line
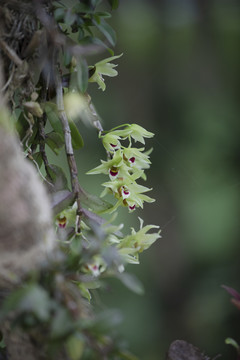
41, 131
10, 53
42, 138
68, 146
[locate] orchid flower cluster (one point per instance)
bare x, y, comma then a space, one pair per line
125, 165
128, 247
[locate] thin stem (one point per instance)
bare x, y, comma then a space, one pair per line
68, 146
41, 129
10, 53
42, 138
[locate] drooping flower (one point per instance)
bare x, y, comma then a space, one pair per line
131, 245
111, 142
96, 266
128, 193
136, 158
114, 167
62, 221
137, 132
103, 67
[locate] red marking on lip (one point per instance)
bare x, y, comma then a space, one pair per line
132, 207
62, 222
126, 192
113, 172
132, 159
112, 145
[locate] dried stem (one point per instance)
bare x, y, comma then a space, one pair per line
42, 138
68, 146
41, 130
10, 53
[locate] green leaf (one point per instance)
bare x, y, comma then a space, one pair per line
59, 14
38, 158
67, 58
54, 141
106, 30
103, 14
94, 203
62, 324
61, 200
2, 344
131, 282
230, 341
75, 347
52, 115
36, 301
85, 292
12, 302
69, 17
88, 40
127, 355
83, 8
77, 140
57, 177
106, 320
32, 298
80, 34
82, 74
76, 245
114, 4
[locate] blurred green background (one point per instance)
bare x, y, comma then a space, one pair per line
179, 77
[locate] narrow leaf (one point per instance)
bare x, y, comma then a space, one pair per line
131, 282
77, 140
54, 141
94, 203
61, 200
90, 40
57, 176
38, 158
106, 30
82, 75
52, 115
114, 4
75, 347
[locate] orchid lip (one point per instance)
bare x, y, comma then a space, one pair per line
132, 159
125, 193
132, 207
113, 172
62, 222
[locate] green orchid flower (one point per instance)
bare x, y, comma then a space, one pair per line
111, 167
67, 217
136, 159
140, 240
111, 142
103, 67
128, 194
96, 266
137, 132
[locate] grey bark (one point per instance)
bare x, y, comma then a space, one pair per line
26, 233
182, 350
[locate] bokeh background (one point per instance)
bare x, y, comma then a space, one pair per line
179, 78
